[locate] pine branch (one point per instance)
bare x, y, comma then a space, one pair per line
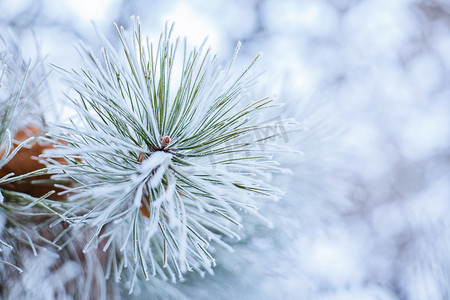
167, 153
20, 81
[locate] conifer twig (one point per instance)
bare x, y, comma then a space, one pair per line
167, 153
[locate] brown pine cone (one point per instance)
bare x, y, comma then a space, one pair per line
25, 161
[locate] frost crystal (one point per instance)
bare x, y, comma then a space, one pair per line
164, 161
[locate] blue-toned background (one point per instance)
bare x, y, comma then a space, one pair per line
366, 211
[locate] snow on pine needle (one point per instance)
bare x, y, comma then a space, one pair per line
15, 83
21, 87
167, 154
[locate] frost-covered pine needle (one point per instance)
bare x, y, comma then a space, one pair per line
20, 82
167, 154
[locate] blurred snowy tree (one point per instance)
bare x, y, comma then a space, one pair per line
378, 68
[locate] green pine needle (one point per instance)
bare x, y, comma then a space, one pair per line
167, 153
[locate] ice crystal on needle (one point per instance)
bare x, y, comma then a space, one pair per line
166, 154
21, 82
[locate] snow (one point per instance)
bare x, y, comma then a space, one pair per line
380, 68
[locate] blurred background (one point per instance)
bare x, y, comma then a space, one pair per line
366, 212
